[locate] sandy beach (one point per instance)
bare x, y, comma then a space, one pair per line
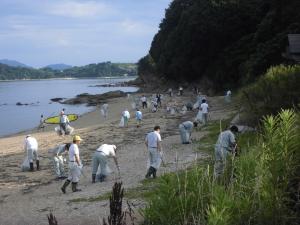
27, 197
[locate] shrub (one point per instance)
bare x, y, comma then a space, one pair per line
278, 89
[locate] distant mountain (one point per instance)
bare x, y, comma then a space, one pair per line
13, 63
105, 69
59, 66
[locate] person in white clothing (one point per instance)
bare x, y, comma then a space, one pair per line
228, 96
104, 110
204, 109
74, 166
126, 117
144, 101
225, 146
153, 143
138, 117
31, 148
58, 159
100, 157
64, 122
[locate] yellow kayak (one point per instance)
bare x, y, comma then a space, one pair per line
56, 119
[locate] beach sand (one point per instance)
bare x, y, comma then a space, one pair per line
27, 197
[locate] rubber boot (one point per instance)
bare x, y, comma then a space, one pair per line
154, 172
37, 165
93, 178
102, 178
149, 172
31, 166
63, 188
74, 187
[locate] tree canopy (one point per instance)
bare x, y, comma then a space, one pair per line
222, 43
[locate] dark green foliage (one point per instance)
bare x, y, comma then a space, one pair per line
223, 42
105, 69
278, 89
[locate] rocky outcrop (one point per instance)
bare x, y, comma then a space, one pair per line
93, 100
57, 99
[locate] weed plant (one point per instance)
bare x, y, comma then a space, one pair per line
261, 186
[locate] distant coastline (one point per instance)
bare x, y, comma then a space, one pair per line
71, 78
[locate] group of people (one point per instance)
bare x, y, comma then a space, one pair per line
225, 145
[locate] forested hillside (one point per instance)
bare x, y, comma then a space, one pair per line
220, 43
104, 69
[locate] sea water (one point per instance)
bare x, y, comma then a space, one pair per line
37, 94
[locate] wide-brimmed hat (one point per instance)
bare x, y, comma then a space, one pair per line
77, 138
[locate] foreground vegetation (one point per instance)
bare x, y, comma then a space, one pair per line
105, 69
261, 186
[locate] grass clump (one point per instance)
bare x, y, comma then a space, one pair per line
261, 186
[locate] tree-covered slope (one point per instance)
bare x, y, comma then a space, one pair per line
223, 43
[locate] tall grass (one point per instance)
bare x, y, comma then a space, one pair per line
259, 187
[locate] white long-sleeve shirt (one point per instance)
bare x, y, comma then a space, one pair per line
30, 143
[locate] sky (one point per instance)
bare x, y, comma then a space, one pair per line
78, 32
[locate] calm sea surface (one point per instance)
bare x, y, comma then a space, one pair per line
38, 93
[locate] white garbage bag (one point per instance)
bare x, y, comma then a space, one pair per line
133, 105
25, 165
102, 112
196, 105
199, 117
121, 124
172, 111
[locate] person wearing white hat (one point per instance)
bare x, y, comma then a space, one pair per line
100, 157
31, 148
75, 166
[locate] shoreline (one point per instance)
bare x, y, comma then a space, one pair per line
70, 78
37, 193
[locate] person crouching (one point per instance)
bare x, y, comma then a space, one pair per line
100, 157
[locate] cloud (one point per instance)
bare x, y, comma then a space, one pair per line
78, 9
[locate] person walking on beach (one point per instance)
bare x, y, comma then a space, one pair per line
138, 117
228, 96
64, 122
185, 130
126, 117
225, 146
204, 109
58, 159
31, 148
104, 110
170, 91
75, 166
144, 101
100, 158
153, 144
42, 123
180, 90
158, 100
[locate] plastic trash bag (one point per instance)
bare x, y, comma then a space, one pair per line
121, 124
102, 112
133, 105
199, 117
25, 165
69, 130
196, 105
106, 172
172, 111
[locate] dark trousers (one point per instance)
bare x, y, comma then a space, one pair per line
144, 105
